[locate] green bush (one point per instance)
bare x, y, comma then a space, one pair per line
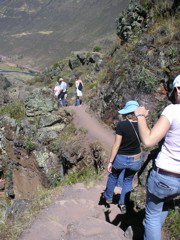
29, 145
147, 81
97, 49
172, 52
85, 175
14, 110
93, 85
172, 224
68, 133
54, 178
7, 84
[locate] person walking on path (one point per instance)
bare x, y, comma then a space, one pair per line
63, 92
79, 87
125, 156
57, 89
164, 180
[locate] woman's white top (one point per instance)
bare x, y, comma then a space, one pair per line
57, 90
78, 92
169, 156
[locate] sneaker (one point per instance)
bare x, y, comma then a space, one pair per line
123, 209
108, 201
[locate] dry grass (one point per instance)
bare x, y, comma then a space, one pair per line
11, 230
170, 23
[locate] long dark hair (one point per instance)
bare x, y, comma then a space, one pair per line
172, 96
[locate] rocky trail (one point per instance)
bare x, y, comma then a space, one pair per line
77, 212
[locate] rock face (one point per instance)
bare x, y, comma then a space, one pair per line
41, 101
144, 73
4, 85
35, 153
86, 58
140, 15
135, 19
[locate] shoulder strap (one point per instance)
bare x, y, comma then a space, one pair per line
135, 132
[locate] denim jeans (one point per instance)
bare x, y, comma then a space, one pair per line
124, 167
61, 99
63, 102
78, 102
160, 189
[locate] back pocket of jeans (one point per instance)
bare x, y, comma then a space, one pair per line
162, 190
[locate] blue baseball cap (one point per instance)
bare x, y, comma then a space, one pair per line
129, 107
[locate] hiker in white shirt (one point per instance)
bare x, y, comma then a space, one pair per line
164, 180
63, 91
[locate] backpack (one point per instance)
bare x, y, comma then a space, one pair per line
80, 86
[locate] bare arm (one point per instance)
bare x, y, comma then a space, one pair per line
150, 137
76, 83
117, 143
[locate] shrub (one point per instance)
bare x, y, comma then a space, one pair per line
15, 110
11, 230
147, 81
54, 178
7, 84
29, 145
172, 52
172, 224
68, 133
97, 49
86, 175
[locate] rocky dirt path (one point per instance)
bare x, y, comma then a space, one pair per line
76, 213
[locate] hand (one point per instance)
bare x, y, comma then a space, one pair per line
109, 168
141, 110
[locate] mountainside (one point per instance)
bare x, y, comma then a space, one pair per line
43, 146
41, 32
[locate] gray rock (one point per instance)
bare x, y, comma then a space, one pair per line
40, 101
17, 209
46, 160
74, 62
54, 118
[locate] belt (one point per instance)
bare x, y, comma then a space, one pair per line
166, 173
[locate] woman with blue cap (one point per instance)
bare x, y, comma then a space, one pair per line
164, 179
125, 156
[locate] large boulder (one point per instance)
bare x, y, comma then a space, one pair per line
86, 58
39, 102
136, 17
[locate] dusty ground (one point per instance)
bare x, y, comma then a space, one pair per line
78, 212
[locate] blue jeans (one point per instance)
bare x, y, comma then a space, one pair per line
160, 189
61, 99
78, 102
63, 102
124, 167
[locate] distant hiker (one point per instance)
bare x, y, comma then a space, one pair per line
164, 180
57, 89
79, 88
125, 159
63, 92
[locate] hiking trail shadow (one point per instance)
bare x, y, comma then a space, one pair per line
131, 218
